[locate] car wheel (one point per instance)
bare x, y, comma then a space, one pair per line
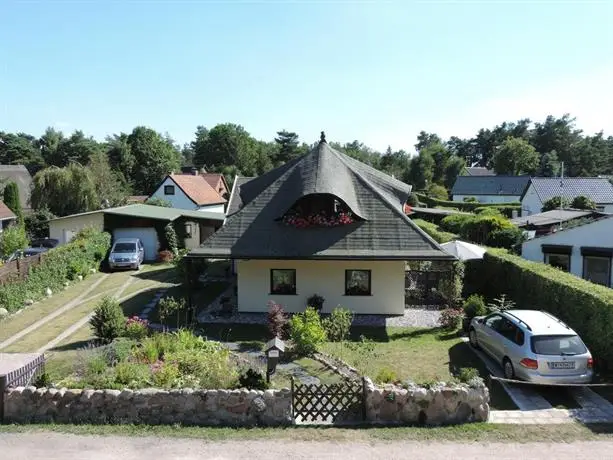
507, 366
472, 338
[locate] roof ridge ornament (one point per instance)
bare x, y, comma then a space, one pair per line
322, 138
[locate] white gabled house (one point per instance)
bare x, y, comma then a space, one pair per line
541, 189
489, 189
190, 191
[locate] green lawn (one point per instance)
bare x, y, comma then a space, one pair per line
472, 432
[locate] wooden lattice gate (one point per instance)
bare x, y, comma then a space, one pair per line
333, 403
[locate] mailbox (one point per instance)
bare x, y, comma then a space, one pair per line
273, 350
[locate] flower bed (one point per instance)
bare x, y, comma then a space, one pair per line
318, 220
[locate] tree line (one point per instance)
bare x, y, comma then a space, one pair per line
77, 173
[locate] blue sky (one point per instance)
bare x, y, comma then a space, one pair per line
378, 72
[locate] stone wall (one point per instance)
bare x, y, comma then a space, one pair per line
440, 404
149, 406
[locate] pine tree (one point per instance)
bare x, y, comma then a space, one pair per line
11, 199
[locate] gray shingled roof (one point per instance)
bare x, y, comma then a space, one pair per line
597, 189
21, 176
236, 201
478, 171
490, 185
253, 229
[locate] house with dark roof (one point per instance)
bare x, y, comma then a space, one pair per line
489, 189
477, 171
190, 191
584, 249
323, 223
21, 176
541, 189
551, 221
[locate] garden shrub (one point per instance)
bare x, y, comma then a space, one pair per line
455, 222
582, 202
470, 206
306, 331
438, 192
488, 211
277, 320
468, 374
505, 238
584, 306
165, 374
88, 246
434, 231
386, 375
252, 379
171, 237
165, 256
132, 375
13, 239
37, 223
136, 328
474, 306
119, 350
338, 324
450, 318
108, 321
555, 202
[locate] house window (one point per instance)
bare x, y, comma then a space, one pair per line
561, 261
283, 281
169, 189
188, 230
597, 269
357, 282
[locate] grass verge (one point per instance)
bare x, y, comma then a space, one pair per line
476, 432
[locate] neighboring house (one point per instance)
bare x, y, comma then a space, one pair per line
20, 175
583, 250
218, 182
7, 217
322, 224
490, 189
476, 171
549, 221
134, 199
142, 221
190, 191
541, 189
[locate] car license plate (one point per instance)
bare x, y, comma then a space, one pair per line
562, 365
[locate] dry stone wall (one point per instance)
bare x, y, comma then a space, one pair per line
439, 404
149, 406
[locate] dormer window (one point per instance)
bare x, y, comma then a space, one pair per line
319, 210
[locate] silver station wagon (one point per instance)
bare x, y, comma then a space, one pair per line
534, 346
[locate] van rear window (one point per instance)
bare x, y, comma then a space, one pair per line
558, 345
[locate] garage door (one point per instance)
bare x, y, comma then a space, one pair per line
148, 236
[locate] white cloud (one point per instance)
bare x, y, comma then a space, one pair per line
587, 97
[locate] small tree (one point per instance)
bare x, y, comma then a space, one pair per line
171, 238
338, 324
108, 321
307, 332
556, 202
501, 304
438, 191
11, 199
277, 320
169, 306
582, 202
13, 239
37, 223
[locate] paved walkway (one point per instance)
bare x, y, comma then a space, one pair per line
73, 303
57, 446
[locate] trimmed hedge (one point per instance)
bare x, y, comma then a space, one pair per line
435, 231
506, 208
67, 262
584, 306
489, 227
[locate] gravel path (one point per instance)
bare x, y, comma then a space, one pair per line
57, 446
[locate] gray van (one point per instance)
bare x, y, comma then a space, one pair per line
126, 253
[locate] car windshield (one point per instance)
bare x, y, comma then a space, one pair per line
565, 345
125, 247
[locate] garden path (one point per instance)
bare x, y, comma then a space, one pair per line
73, 303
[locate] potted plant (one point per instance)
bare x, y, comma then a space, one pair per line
316, 302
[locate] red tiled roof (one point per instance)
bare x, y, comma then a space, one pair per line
198, 189
5, 212
213, 179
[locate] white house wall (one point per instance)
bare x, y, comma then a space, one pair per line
596, 234
179, 200
489, 198
64, 230
531, 204
213, 208
325, 278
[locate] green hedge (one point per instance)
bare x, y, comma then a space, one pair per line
506, 208
435, 231
86, 251
584, 306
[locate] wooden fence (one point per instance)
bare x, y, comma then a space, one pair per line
19, 269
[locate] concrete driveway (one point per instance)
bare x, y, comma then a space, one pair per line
57, 446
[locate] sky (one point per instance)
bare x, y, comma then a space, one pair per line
375, 71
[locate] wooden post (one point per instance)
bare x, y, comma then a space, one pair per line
291, 379
3, 387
